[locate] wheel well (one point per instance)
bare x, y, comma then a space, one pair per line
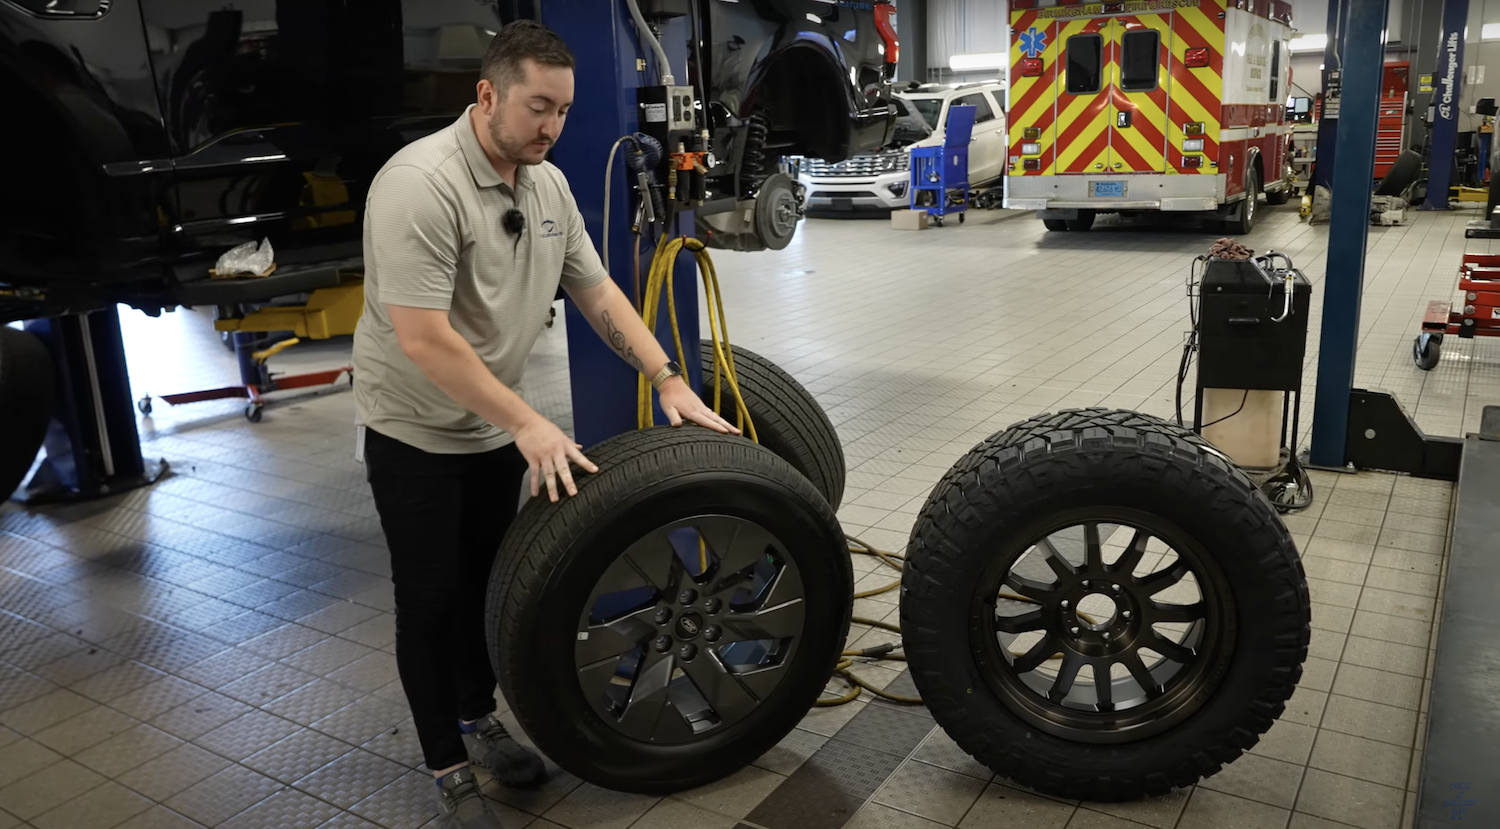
807, 100
1258, 164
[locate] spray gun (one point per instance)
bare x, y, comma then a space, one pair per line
644, 157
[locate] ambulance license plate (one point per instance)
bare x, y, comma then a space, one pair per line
1109, 189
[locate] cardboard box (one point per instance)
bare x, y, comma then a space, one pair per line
909, 219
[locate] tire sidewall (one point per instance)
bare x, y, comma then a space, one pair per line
548, 626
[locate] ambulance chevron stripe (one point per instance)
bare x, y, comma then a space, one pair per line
1083, 121
1142, 147
1196, 93
1032, 101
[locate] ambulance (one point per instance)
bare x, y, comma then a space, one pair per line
1148, 105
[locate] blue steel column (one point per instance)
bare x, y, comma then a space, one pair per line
603, 39
1327, 151
1449, 80
1348, 228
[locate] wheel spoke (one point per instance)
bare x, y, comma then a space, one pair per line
1030, 588
1104, 687
1039, 653
1162, 579
1131, 558
1143, 677
616, 638
778, 622
724, 691
648, 696
650, 561
1067, 673
1174, 651
1178, 612
1061, 566
1020, 624
1093, 548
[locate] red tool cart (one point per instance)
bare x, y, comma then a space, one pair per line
1479, 280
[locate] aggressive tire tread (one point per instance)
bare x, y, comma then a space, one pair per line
788, 419
991, 490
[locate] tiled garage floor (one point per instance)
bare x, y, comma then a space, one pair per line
217, 650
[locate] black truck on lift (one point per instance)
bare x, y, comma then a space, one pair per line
147, 137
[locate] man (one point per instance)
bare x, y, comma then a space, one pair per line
468, 235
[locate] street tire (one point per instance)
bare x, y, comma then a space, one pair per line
787, 418
551, 635
1055, 225
27, 397
1244, 637
1251, 206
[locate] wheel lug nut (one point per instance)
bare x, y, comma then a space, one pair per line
1124, 614
663, 644
663, 615
1115, 587
1065, 604
712, 633
712, 605
687, 596
1085, 582
687, 652
1073, 630
1106, 634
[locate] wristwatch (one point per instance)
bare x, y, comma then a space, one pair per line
671, 369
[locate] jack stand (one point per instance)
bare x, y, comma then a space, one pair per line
92, 447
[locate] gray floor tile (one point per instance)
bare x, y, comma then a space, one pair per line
736, 795
90, 728
200, 715
1014, 809
1388, 656
160, 817
282, 810
297, 756
1363, 759
1258, 778
23, 757
793, 750
128, 750
1376, 685
931, 792
351, 778
173, 772
1358, 802
48, 788
42, 713
246, 734
1384, 723
312, 702
405, 803
1209, 809
102, 808
876, 816
223, 795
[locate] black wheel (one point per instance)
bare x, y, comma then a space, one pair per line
937, 220
144, 406
26, 402
1099, 606
788, 420
1427, 350
961, 217
1251, 206
1055, 225
776, 214
253, 413
677, 617
1276, 198
1084, 222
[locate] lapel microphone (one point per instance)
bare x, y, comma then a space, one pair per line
515, 222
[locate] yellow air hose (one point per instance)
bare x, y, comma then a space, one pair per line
659, 280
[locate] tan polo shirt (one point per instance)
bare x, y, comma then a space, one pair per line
434, 237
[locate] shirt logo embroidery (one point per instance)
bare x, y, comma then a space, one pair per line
550, 229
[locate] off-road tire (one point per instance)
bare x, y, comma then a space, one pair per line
26, 404
554, 553
787, 418
1077, 460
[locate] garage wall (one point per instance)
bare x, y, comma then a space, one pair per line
965, 27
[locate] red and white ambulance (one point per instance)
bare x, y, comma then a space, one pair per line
1148, 105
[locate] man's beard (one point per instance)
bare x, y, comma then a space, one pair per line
512, 149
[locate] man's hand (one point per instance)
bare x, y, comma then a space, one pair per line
547, 451
680, 403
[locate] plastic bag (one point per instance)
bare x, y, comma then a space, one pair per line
248, 259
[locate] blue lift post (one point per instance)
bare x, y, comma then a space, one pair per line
1449, 83
1348, 227
603, 39
1328, 122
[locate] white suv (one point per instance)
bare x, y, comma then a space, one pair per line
879, 181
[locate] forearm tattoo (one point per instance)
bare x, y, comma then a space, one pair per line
617, 339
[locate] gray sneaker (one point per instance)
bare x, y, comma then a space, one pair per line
491, 747
461, 802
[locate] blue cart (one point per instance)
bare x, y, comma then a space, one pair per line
940, 175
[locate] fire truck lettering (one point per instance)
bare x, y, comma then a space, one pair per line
1130, 7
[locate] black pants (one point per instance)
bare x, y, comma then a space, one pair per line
444, 517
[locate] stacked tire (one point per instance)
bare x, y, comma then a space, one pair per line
26, 404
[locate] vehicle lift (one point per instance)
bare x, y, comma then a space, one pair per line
940, 175
1479, 281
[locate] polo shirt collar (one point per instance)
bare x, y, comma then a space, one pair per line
479, 164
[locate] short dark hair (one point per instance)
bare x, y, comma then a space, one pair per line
503, 60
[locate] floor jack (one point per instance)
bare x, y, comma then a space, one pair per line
329, 312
